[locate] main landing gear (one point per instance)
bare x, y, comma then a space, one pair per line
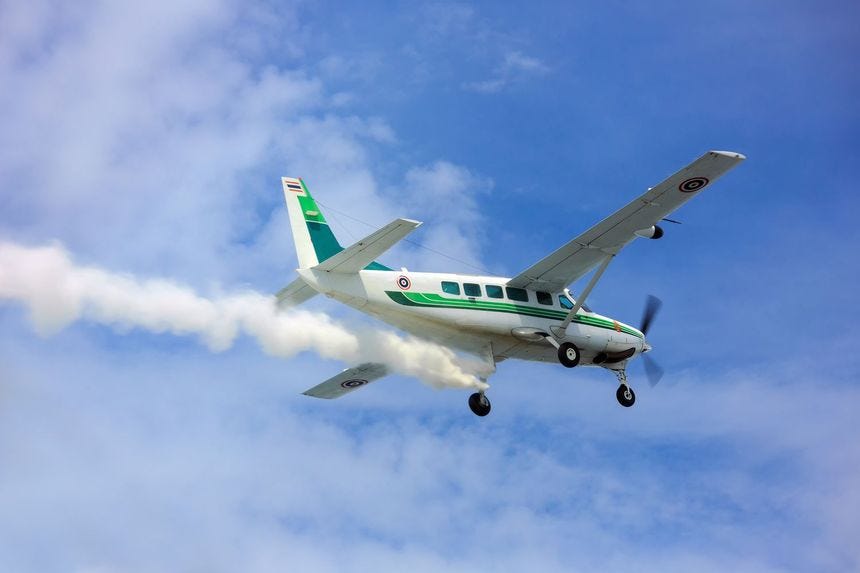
568, 354
625, 395
480, 404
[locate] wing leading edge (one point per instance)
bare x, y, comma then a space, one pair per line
567, 264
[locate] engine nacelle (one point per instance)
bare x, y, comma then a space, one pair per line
613, 357
652, 232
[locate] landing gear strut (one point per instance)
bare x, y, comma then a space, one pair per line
479, 403
625, 395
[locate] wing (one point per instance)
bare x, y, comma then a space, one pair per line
294, 293
348, 380
570, 262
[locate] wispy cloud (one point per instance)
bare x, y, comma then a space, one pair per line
515, 67
449, 197
149, 139
445, 19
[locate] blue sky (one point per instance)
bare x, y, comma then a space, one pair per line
149, 141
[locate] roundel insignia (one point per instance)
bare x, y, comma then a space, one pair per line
353, 383
693, 184
403, 282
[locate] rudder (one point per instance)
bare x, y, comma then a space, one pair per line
314, 240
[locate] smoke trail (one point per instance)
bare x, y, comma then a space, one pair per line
57, 293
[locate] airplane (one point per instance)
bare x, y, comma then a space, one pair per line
532, 316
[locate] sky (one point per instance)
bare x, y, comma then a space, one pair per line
146, 140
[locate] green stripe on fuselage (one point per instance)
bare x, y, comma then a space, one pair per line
433, 300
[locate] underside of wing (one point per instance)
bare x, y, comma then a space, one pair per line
577, 257
348, 380
294, 293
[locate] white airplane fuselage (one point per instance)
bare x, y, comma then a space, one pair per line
531, 316
416, 303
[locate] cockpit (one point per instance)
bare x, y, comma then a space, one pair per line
566, 303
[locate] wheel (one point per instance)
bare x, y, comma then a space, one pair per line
625, 395
568, 354
479, 403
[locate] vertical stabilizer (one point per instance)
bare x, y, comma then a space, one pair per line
314, 240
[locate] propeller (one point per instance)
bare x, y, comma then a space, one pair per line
652, 369
652, 306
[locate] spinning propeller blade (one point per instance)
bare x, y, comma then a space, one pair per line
652, 369
652, 306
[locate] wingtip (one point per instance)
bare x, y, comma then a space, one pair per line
732, 154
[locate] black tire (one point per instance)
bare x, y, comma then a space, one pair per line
479, 404
568, 355
625, 395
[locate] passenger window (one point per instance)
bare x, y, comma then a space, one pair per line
565, 302
519, 294
494, 291
450, 287
471, 289
544, 298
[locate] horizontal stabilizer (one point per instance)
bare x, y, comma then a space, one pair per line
294, 293
348, 380
359, 255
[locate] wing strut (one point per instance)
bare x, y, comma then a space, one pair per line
580, 300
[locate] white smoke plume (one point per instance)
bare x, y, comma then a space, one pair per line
57, 292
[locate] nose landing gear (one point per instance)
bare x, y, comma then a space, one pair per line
625, 395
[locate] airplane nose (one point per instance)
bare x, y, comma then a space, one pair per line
646, 347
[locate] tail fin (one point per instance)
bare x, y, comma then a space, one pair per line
314, 240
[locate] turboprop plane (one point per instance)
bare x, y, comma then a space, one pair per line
532, 316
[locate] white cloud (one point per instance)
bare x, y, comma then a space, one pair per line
147, 139
134, 129
150, 138
516, 61
515, 67
448, 196
445, 19
220, 470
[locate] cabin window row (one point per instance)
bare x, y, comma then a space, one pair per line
496, 291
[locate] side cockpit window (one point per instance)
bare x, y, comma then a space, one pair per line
566, 303
471, 289
544, 298
494, 291
450, 287
518, 294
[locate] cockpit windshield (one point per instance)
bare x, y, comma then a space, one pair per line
566, 303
